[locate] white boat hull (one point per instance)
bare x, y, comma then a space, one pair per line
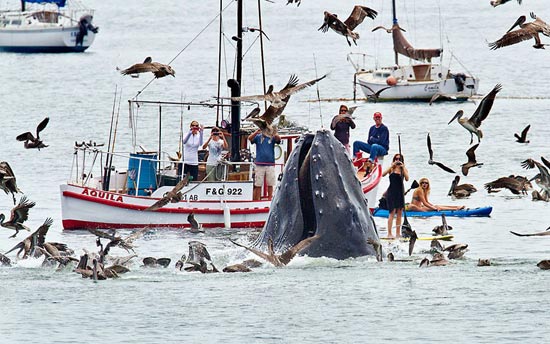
61, 39
85, 207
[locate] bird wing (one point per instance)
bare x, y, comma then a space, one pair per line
192, 221
136, 235
287, 256
271, 113
470, 153
6, 170
259, 97
485, 106
524, 133
429, 143
148, 59
20, 213
287, 91
102, 234
505, 182
531, 234
28, 136
159, 204
139, 68
514, 37
328, 18
41, 126
546, 162
256, 252
444, 168
357, 16
43, 230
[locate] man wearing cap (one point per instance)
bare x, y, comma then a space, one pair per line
378, 143
341, 125
264, 165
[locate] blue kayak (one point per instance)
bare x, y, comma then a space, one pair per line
481, 211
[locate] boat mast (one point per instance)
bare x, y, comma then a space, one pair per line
395, 23
22, 5
235, 85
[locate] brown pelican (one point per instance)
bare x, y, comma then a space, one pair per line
431, 161
19, 214
516, 184
4, 261
424, 263
196, 227
7, 180
377, 248
483, 262
158, 69
346, 28
115, 240
543, 177
460, 190
33, 241
443, 228
391, 258
282, 259
278, 102
436, 245
544, 264
545, 233
456, 250
374, 95
470, 153
473, 123
496, 3
199, 258
30, 140
523, 137
172, 196
524, 33
154, 262
236, 268
439, 259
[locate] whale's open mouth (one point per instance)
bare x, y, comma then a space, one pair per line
305, 188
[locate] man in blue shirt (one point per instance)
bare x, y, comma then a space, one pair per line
379, 139
264, 169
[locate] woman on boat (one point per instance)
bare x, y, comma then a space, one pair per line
191, 143
394, 195
420, 200
341, 124
216, 144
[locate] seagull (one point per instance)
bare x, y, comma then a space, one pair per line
496, 3
524, 33
158, 69
195, 226
172, 196
523, 137
517, 185
282, 259
431, 161
345, 28
462, 190
30, 140
470, 153
7, 180
19, 214
473, 123
374, 96
278, 102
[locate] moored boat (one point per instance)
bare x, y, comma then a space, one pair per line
47, 26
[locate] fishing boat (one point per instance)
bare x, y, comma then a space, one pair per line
419, 80
114, 189
47, 26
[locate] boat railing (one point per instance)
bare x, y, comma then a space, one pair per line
143, 172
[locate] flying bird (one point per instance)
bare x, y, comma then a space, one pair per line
523, 137
524, 33
460, 190
496, 3
431, 161
158, 69
172, 196
30, 140
473, 123
30, 244
7, 180
543, 179
470, 153
278, 102
374, 96
116, 240
516, 184
19, 214
297, 2
346, 28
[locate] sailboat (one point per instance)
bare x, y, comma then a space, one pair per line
419, 80
47, 26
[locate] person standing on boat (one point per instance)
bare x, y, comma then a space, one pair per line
216, 144
395, 198
378, 143
264, 169
341, 125
191, 143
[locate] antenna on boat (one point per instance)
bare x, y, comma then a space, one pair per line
317, 85
262, 48
106, 170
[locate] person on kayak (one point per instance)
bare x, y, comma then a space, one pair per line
420, 200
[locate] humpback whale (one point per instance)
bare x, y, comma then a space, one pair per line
320, 195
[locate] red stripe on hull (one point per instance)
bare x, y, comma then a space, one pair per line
374, 184
76, 224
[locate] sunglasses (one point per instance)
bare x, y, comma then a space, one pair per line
194, 127
425, 183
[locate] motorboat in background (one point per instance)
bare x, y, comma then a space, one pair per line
47, 26
419, 80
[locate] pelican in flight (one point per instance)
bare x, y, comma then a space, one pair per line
516, 184
496, 3
278, 102
473, 123
431, 161
470, 153
19, 214
524, 33
543, 179
172, 196
30, 140
346, 28
7, 180
523, 137
158, 69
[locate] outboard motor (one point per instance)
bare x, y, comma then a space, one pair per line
460, 80
85, 24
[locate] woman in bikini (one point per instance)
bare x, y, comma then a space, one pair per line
420, 199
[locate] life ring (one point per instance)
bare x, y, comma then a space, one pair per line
278, 150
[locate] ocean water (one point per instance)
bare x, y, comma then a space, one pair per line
311, 300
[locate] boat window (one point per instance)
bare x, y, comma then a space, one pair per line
386, 75
16, 22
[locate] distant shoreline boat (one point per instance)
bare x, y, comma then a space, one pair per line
47, 26
424, 81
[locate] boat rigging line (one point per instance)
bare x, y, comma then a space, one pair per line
317, 85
